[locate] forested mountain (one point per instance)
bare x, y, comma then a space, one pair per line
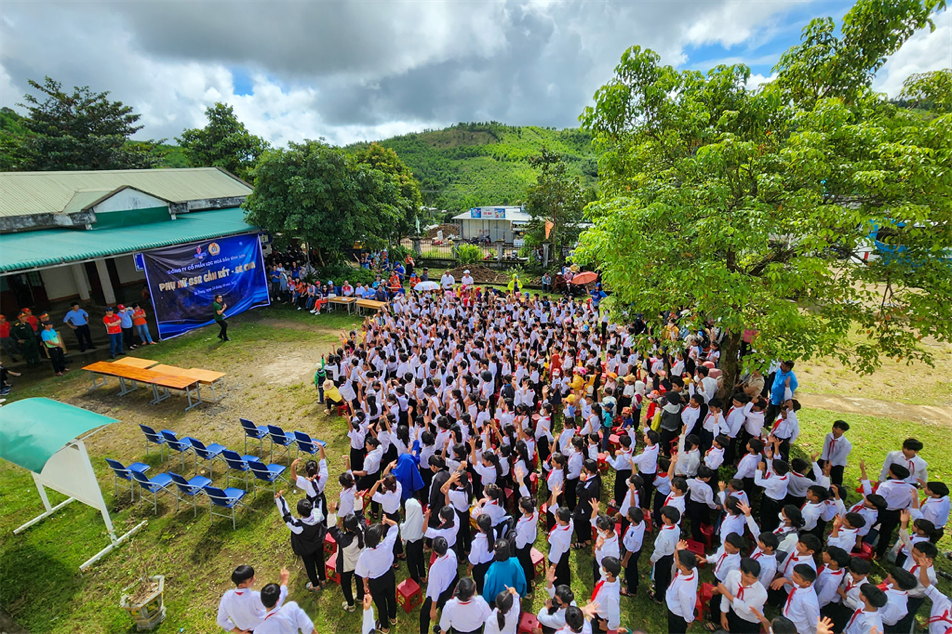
478, 164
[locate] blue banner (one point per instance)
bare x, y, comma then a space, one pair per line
184, 279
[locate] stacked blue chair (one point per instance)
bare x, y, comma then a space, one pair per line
237, 463
267, 473
208, 454
278, 437
183, 445
306, 444
255, 432
192, 488
152, 437
224, 498
124, 473
161, 482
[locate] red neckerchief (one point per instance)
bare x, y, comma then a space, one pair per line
786, 606
598, 586
853, 618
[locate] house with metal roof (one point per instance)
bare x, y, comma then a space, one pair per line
67, 235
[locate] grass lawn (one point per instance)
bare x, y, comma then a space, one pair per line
269, 365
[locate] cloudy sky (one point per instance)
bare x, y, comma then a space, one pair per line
368, 69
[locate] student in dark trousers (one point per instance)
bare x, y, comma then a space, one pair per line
665, 545
440, 584
412, 531
218, 308
307, 537
348, 532
375, 567
632, 541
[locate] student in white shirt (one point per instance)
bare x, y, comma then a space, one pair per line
940, 618
741, 594
909, 458
681, 595
606, 595
440, 582
898, 584
552, 616
801, 605
374, 566
836, 449
307, 537
830, 578
665, 545
867, 618
348, 532
505, 616
560, 540
466, 611
527, 528
935, 508
632, 542
242, 608
282, 619
773, 478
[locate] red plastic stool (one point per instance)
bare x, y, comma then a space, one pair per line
704, 596
865, 552
697, 548
707, 532
330, 546
330, 569
649, 527
602, 462
533, 483
409, 595
538, 563
528, 623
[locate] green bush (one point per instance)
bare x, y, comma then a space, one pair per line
468, 254
340, 272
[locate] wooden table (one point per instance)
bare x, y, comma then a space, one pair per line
371, 304
135, 362
346, 301
204, 377
133, 375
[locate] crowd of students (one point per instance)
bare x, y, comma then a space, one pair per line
480, 421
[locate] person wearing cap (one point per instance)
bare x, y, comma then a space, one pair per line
114, 330
6, 341
54, 347
78, 321
467, 279
22, 332
125, 320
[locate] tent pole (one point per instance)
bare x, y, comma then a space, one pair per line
39, 518
115, 542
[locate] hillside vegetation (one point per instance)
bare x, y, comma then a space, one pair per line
474, 164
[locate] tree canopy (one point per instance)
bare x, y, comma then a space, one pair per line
82, 130
751, 208
555, 202
224, 142
386, 160
323, 195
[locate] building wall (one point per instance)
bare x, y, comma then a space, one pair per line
59, 282
499, 229
126, 268
129, 199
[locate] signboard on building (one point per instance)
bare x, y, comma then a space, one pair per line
184, 279
488, 213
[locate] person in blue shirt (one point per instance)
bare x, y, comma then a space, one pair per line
597, 296
78, 320
783, 378
505, 572
55, 347
125, 317
400, 271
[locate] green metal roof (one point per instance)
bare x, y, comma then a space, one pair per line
51, 247
34, 429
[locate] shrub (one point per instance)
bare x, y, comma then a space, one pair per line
468, 254
340, 272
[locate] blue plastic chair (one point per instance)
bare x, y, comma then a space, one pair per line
181, 445
152, 437
208, 454
278, 437
270, 473
123, 473
224, 498
306, 444
161, 482
255, 432
237, 463
192, 488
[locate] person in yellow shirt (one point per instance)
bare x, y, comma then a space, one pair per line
332, 395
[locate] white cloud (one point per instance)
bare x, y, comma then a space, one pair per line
924, 51
736, 21
756, 80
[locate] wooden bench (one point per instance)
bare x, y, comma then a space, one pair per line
204, 377
370, 304
130, 376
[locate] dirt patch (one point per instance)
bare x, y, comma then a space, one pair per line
871, 407
449, 229
486, 275
288, 369
290, 325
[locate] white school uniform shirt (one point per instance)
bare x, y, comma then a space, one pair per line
634, 538
647, 461
862, 622
681, 595
732, 524
465, 616
372, 461
527, 528
918, 468
607, 595
442, 572
936, 510
701, 492
609, 547
715, 424
677, 501
811, 513
792, 561
768, 566
242, 608
898, 494
827, 583
745, 597
286, 619
374, 562
510, 622
753, 421
836, 450
690, 416
940, 618
664, 544
775, 486
723, 563
714, 458
798, 484
846, 539
389, 500
688, 461
802, 608
852, 589
896, 606
560, 539
556, 620
747, 466
909, 565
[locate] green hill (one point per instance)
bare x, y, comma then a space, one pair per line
474, 164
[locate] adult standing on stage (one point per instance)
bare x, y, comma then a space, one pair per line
219, 306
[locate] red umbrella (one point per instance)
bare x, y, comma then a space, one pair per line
585, 278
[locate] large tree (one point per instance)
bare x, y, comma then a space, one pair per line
224, 142
322, 195
386, 160
556, 202
751, 207
82, 130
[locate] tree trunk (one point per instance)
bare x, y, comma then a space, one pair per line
730, 365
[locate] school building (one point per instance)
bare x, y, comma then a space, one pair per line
74, 235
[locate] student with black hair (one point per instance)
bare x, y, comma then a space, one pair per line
241, 609
740, 596
747, 467
282, 619
440, 582
813, 509
606, 594
375, 567
681, 595
701, 501
482, 554
466, 611
908, 458
922, 552
622, 462
898, 584
632, 543
935, 508
831, 575
307, 537
854, 581
370, 472
772, 478
527, 528
587, 492
505, 616
867, 618
802, 555
552, 615
665, 545
836, 450
348, 533
801, 605
898, 494
560, 540
647, 461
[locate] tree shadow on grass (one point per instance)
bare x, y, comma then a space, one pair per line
26, 569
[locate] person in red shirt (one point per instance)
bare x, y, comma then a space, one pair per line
141, 324
114, 330
6, 341
32, 320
